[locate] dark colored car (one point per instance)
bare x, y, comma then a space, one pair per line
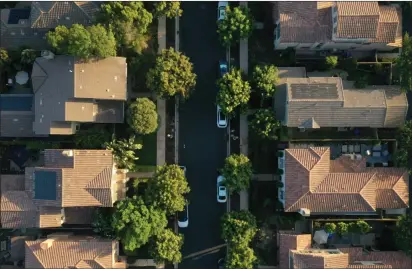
223, 67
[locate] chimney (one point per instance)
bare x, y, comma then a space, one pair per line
47, 243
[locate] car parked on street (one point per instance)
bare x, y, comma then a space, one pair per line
221, 10
221, 118
223, 68
221, 190
221, 263
183, 217
184, 169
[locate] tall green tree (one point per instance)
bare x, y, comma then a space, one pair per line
170, 9
129, 22
167, 189
234, 92
94, 41
237, 24
166, 247
403, 234
265, 78
28, 56
240, 257
4, 57
134, 222
264, 124
238, 227
237, 172
171, 75
124, 151
405, 64
404, 138
142, 116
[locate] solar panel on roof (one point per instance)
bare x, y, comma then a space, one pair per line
17, 14
314, 91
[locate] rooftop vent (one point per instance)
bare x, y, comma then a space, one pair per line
15, 120
107, 90
82, 70
67, 18
68, 153
46, 243
113, 96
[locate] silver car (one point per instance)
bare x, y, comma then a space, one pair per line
183, 217
221, 118
221, 190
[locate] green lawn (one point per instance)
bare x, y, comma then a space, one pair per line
147, 155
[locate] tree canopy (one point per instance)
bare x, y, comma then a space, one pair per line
28, 56
405, 64
404, 138
166, 247
124, 151
129, 21
167, 189
403, 234
240, 257
134, 222
236, 25
264, 124
93, 41
170, 9
265, 78
234, 92
171, 75
238, 227
237, 172
142, 116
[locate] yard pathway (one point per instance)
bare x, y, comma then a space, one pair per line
244, 132
161, 103
140, 174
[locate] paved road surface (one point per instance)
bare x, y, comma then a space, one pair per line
202, 145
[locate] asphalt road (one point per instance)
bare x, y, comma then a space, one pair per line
202, 146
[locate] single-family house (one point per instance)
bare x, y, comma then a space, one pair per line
337, 26
67, 189
28, 25
69, 251
67, 91
317, 102
316, 185
296, 252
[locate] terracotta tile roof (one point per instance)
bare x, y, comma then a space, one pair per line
388, 24
357, 19
311, 183
72, 253
348, 258
53, 13
306, 22
82, 180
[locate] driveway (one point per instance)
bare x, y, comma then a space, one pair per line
202, 145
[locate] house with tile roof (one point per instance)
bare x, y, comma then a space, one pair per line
317, 102
68, 92
64, 190
296, 251
316, 185
27, 26
337, 25
67, 251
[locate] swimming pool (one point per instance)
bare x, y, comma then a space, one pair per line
16, 102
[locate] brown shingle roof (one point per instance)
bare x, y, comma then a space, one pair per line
310, 183
83, 180
332, 102
348, 258
357, 19
72, 253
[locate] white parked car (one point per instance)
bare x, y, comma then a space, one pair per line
221, 10
221, 118
184, 169
183, 217
221, 190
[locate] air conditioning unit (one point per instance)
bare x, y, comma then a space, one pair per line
304, 212
68, 153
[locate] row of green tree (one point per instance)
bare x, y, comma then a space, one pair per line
342, 228
238, 230
139, 220
119, 26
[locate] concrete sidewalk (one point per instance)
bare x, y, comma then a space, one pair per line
244, 130
161, 104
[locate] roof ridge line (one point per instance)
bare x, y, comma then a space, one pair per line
294, 157
307, 193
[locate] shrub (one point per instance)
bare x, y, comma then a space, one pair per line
361, 81
342, 228
330, 227
142, 116
331, 62
317, 225
363, 226
280, 172
348, 64
280, 154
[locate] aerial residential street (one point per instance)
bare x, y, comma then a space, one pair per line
202, 145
